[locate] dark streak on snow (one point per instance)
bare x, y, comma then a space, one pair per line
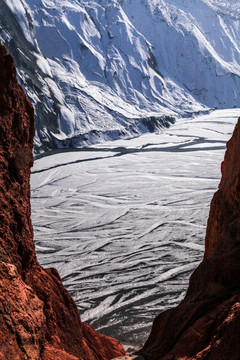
120, 151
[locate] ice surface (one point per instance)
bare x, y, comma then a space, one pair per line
124, 222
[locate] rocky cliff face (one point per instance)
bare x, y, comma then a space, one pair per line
224, 221
38, 318
206, 325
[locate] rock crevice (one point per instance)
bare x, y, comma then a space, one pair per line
39, 319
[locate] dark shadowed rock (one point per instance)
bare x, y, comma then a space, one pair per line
206, 325
38, 318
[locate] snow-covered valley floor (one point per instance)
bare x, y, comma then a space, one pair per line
124, 222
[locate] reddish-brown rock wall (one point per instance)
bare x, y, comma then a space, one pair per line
224, 221
206, 325
38, 318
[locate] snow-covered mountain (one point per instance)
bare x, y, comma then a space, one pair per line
98, 70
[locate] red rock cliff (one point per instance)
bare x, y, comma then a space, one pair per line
224, 220
206, 325
38, 318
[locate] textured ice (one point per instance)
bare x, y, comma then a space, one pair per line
124, 221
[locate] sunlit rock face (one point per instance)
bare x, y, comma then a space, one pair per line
113, 69
38, 318
206, 324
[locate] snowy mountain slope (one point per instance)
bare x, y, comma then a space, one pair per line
108, 69
201, 45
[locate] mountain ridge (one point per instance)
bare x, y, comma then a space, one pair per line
108, 68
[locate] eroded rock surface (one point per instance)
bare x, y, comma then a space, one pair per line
206, 325
38, 318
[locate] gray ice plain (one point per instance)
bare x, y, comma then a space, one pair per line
124, 222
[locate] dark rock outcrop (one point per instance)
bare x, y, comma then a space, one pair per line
206, 325
38, 318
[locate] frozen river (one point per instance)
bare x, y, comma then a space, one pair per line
124, 222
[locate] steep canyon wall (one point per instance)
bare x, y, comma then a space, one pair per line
38, 318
